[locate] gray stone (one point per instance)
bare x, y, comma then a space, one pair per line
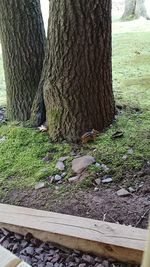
57, 178
39, 185
82, 265
122, 192
60, 166
63, 158
131, 189
81, 163
73, 179
98, 181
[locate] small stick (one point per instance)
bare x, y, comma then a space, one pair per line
142, 217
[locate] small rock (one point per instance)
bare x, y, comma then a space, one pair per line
81, 163
63, 158
98, 181
57, 178
105, 263
96, 189
107, 180
122, 192
63, 174
82, 265
60, 166
125, 157
98, 165
104, 167
73, 179
29, 250
88, 259
131, 189
130, 151
39, 185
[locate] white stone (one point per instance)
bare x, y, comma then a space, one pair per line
81, 163
107, 180
97, 164
104, 167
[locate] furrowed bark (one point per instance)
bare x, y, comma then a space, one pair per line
78, 85
23, 41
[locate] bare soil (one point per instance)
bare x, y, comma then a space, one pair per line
103, 204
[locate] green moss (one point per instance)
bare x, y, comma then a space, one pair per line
21, 161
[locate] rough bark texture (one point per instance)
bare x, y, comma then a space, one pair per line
78, 84
23, 40
134, 9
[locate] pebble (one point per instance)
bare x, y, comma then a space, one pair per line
73, 179
57, 178
107, 180
3, 139
104, 167
60, 166
131, 189
39, 185
123, 192
98, 165
98, 181
81, 163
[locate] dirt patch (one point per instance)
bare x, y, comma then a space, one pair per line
104, 204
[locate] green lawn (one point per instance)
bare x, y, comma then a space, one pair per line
21, 162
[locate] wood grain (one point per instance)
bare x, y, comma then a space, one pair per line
123, 243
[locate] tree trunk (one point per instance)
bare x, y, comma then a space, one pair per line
134, 9
78, 85
129, 11
23, 40
140, 10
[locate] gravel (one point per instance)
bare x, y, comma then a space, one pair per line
39, 254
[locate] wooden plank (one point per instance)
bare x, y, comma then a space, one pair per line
146, 258
123, 243
7, 259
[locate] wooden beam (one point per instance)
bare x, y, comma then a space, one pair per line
146, 258
7, 259
123, 243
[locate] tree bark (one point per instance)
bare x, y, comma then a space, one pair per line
23, 41
134, 9
78, 84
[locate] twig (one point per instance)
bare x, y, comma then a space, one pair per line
142, 217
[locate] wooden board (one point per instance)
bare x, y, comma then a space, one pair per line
121, 242
7, 259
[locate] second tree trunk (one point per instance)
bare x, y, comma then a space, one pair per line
78, 84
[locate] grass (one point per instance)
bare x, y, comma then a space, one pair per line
21, 163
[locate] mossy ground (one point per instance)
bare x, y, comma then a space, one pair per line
21, 163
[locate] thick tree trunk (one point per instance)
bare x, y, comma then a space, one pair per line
23, 40
129, 11
78, 85
134, 9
